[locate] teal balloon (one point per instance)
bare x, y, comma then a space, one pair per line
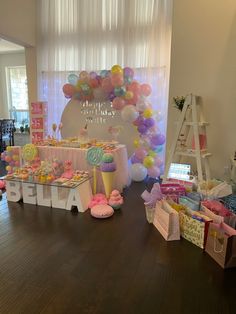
128, 79
159, 149
120, 91
72, 79
104, 73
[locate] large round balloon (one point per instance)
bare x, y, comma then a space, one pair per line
138, 172
129, 114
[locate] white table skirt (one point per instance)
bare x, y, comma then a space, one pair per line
78, 158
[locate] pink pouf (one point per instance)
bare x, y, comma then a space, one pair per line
102, 211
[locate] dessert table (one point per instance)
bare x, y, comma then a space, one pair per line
78, 158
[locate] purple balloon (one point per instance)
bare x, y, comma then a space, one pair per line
150, 122
142, 129
154, 172
139, 121
158, 139
112, 96
93, 74
135, 160
128, 72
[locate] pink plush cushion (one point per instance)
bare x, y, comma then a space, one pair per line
102, 211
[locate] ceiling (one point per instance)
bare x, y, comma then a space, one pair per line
6, 46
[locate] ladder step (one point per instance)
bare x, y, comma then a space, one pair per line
204, 154
197, 123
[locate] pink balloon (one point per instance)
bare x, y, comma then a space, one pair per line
68, 90
134, 87
93, 83
145, 89
17, 163
140, 153
118, 103
154, 172
158, 161
117, 79
107, 85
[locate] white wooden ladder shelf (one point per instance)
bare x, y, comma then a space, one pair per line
189, 120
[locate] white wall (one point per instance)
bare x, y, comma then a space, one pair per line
18, 24
203, 61
10, 59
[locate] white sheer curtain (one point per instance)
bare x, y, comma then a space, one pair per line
92, 35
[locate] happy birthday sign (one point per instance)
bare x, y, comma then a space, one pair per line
97, 112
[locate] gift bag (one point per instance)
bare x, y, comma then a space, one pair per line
194, 227
166, 220
215, 218
187, 201
173, 190
221, 244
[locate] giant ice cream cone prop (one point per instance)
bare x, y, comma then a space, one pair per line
108, 178
108, 168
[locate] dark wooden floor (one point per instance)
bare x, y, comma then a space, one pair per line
54, 261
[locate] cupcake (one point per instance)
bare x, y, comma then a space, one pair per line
115, 200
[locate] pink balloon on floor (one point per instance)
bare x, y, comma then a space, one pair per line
154, 172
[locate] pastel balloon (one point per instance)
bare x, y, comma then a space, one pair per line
106, 84
158, 116
111, 96
138, 121
158, 139
72, 79
129, 95
138, 172
17, 163
128, 79
129, 114
148, 113
142, 129
104, 73
140, 153
93, 82
148, 161
150, 122
134, 87
116, 69
93, 75
145, 89
134, 159
118, 103
158, 161
117, 80
141, 105
83, 75
152, 154
68, 90
136, 143
128, 72
154, 172
120, 91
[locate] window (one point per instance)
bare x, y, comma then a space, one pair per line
17, 94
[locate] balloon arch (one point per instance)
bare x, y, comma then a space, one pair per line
130, 98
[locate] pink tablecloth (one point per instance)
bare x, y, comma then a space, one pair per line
78, 158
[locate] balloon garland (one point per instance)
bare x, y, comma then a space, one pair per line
130, 98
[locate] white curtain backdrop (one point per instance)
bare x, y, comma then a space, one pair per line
93, 35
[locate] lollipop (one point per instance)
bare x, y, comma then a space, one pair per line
94, 158
29, 152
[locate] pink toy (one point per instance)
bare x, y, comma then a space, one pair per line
2, 185
102, 211
98, 199
115, 200
68, 171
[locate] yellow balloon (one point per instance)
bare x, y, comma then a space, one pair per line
147, 113
129, 95
116, 69
152, 153
136, 143
9, 148
148, 161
